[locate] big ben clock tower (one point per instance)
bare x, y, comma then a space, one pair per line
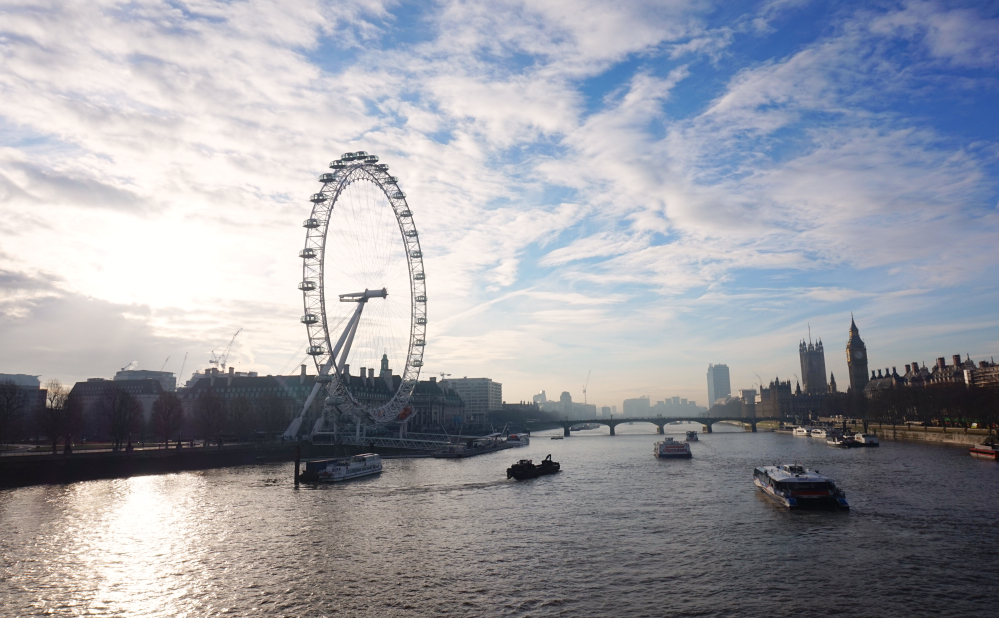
856, 359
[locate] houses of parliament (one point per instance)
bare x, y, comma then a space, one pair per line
814, 394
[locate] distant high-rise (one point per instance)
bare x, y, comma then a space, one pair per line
719, 385
813, 367
565, 399
481, 396
165, 378
636, 407
856, 359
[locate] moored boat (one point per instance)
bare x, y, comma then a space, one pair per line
803, 432
343, 469
557, 437
988, 450
471, 448
819, 432
866, 439
525, 469
692, 436
517, 439
794, 487
841, 441
671, 449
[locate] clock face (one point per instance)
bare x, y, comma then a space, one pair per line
858, 355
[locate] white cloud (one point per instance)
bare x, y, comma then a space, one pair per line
158, 157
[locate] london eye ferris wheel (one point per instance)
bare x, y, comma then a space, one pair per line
363, 290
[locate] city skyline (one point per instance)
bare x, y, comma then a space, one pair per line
702, 189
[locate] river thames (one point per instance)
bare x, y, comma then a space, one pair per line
616, 533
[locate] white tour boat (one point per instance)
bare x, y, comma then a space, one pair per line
671, 449
988, 450
691, 436
796, 487
866, 439
335, 470
818, 432
803, 432
516, 439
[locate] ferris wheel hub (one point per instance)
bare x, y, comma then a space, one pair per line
362, 297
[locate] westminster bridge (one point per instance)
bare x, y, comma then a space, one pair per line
659, 421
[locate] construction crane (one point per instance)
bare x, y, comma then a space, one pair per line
132, 365
219, 361
444, 376
180, 375
164, 363
585, 385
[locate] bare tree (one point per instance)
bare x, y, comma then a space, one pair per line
12, 407
242, 418
121, 414
52, 418
167, 416
273, 414
209, 416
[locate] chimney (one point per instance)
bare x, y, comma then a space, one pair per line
915, 367
371, 373
957, 360
364, 374
346, 370
232, 370
908, 369
941, 362
301, 376
433, 379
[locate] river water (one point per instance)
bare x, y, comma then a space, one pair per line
616, 533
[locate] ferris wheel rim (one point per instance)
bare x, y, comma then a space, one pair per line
349, 169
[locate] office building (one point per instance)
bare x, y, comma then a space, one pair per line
719, 385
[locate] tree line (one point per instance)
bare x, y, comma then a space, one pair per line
118, 417
953, 404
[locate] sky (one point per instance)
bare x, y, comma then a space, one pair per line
629, 191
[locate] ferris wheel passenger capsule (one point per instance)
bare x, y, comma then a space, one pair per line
307, 253
311, 223
405, 213
317, 197
314, 350
360, 154
398, 195
307, 286
412, 234
371, 159
327, 177
310, 318
347, 156
382, 167
337, 165
416, 254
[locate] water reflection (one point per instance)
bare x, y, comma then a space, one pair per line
616, 533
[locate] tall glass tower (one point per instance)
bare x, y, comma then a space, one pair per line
719, 385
